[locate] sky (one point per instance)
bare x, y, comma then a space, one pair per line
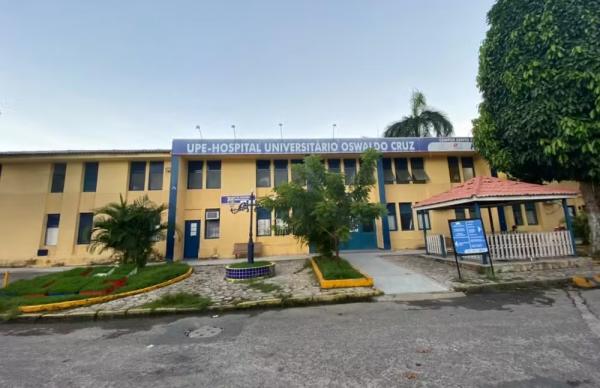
137, 74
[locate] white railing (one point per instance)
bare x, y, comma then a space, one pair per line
436, 244
529, 246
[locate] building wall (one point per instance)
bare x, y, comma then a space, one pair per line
25, 202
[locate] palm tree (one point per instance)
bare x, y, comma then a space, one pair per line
129, 230
422, 121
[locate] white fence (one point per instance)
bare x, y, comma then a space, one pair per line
436, 244
529, 246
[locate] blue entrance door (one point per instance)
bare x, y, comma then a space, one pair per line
362, 236
191, 242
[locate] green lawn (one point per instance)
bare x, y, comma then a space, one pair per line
180, 300
72, 284
248, 265
336, 268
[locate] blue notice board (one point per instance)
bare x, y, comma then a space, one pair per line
468, 237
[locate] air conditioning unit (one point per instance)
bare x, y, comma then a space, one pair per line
212, 214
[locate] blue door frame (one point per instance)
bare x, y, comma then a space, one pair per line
191, 242
363, 237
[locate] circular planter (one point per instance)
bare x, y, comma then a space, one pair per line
263, 271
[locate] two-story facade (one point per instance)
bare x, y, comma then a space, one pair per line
47, 199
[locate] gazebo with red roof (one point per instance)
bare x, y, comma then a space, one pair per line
488, 192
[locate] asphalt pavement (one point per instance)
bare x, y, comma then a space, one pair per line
524, 339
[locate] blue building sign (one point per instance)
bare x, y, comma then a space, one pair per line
318, 146
468, 237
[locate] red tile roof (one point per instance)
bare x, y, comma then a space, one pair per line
482, 187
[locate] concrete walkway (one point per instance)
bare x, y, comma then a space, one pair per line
390, 277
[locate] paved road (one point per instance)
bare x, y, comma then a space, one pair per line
533, 339
392, 278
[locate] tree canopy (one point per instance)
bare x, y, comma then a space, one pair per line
422, 122
129, 231
539, 74
319, 208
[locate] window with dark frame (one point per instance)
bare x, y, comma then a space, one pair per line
423, 220
52, 223
212, 225
58, 177
194, 174
417, 166
295, 176
468, 167
454, 169
263, 222
406, 216
213, 174
281, 172
334, 165
281, 227
391, 216
402, 174
517, 214
155, 177
84, 229
388, 173
572, 211
90, 177
349, 171
263, 173
460, 214
531, 213
137, 176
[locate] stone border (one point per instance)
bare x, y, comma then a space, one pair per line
100, 299
366, 281
515, 266
292, 301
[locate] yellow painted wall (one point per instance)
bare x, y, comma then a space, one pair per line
436, 167
25, 201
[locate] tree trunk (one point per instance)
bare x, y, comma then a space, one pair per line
337, 247
591, 196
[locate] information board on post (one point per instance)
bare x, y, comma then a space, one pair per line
468, 238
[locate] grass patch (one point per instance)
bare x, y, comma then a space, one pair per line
154, 274
263, 287
180, 300
248, 265
39, 290
337, 268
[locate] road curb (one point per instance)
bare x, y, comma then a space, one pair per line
419, 296
505, 286
281, 302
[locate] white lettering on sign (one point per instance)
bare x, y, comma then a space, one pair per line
319, 146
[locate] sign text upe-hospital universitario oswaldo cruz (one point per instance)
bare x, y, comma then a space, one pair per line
309, 146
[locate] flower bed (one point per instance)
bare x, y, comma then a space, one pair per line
81, 283
244, 271
338, 273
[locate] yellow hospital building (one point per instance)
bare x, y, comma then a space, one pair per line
47, 199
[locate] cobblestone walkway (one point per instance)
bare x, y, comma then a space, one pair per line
293, 278
447, 275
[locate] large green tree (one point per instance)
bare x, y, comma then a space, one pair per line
422, 122
129, 230
319, 208
539, 74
